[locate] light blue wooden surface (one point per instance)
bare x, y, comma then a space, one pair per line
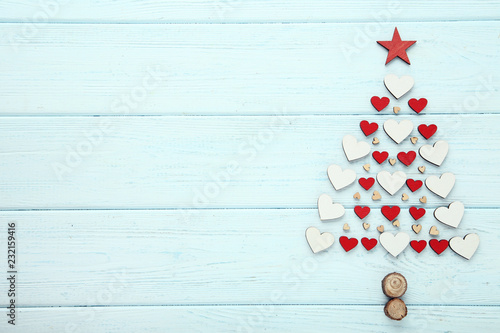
114, 235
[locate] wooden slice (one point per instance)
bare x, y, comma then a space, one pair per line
395, 309
394, 285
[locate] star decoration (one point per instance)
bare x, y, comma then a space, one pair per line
397, 47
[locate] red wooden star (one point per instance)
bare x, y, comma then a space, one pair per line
397, 47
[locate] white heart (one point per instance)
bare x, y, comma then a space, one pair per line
466, 247
339, 178
394, 244
354, 149
329, 210
442, 185
318, 241
434, 154
398, 131
398, 86
451, 215
391, 183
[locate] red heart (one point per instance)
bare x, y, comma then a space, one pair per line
427, 131
368, 243
348, 243
417, 213
438, 246
417, 105
379, 103
407, 158
418, 245
362, 211
380, 157
366, 183
368, 128
390, 212
414, 185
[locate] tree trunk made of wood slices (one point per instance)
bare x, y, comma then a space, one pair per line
396, 309
394, 285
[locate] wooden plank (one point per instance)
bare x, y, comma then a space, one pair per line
216, 11
223, 162
226, 256
245, 69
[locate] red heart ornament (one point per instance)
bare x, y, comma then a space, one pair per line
366, 183
407, 158
362, 211
417, 213
380, 157
390, 213
348, 243
368, 243
418, 245
417, 105
427, 131
368, 128
379, 103
414, 185
438, 246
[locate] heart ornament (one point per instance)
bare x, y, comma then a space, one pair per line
394, 244
465, 247
340, 178
318, 241
391, 183
329, 210
398, 86
434, 154
451, 215
353, 149
398, 131
441, 186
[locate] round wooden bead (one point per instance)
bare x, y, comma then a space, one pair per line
396, 309
394, 285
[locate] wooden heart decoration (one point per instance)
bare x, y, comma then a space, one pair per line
362, 212
380, 228
421, 169
407, 158
356, 196
433, 231
366, 225
329, 210
375, 141
353, 149
414, 185
416, 228
427, 131
366, 183
451, 215
380, 157
379, 103
391, 183
417, 105
405, 197
418, 246
348, 243
366, 167
394, 244
434, 154
417, 213
369, 243
441, 186
346, 227
398, 86
340, 178
392, 161
398, 131
465, 247
390, 213
368, 128
376, 196
318, 241
438, 246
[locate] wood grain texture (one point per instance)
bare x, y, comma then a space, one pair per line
260, 69
247, 256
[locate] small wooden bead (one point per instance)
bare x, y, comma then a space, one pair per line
394, 285
396, 309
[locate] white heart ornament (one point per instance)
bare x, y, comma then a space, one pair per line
398, 131
398, 86
434, 154
394, 244
340, 178
441, 186
353, 149
329, 210
391, 183
465, 247
451, 215
318, 241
